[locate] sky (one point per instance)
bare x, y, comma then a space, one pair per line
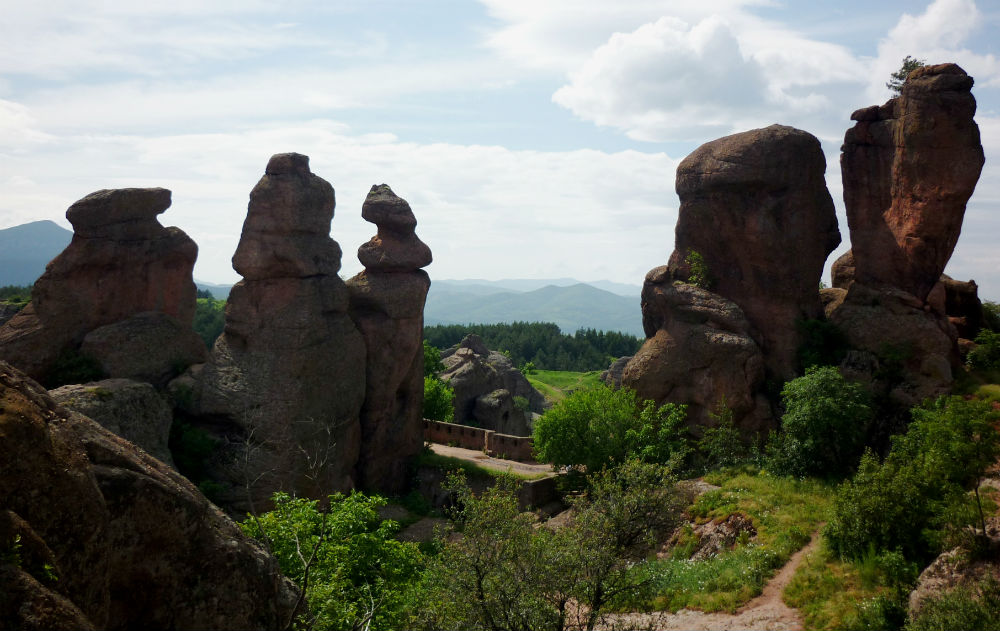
532, 138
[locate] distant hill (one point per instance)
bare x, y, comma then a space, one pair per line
531, 284
219, 292
25, 250
573, 307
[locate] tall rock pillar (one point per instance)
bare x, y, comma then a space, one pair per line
387, 305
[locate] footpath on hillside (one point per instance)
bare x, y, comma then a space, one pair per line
489, 462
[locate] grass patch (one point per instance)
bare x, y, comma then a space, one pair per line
556, 385
827, 591
785, 512
428, 458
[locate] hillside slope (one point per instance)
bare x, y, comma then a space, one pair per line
26, 249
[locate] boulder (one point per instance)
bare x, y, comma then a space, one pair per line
284, 384
120, 262
756, 211
613, 375
474, 371
699, 352
150, 346
842, 271
915, 344
129, 543
908, 169
130, 409
7, 311
955, 569
962, 305
387, 305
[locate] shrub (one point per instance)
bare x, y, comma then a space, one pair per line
823, 343
698, 272
439, 400
823, 428
352, 571
722, 445
432, 360
911, 500
975, 607
986, 354
72, 366
600, 427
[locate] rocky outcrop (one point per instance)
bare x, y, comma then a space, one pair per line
387, 305
488, 387
120, 262
287, 374
613, 375
909, 167
756, 223
130, 409
955, 569
700, 352
111, 538
7, 311
963, 307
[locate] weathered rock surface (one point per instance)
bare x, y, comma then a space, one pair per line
7, 311
149, 346
131, 543
954, 569
903, 333
700, 352
963, 306
613, 375
387, 305
287, 374
485, 383
120, 262
756, 208
908, 168
130, 409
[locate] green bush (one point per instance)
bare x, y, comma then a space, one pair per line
72, 366
722, 445
986, 354
209, 318
601, 427
698, 272
439, 400
432, 360
346, 560
823, 427
919, 494
976, 607
822, 343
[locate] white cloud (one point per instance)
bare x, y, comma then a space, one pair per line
485, 211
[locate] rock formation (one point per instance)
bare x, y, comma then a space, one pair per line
130, 409
111, 538
699, 351
755, 207
121, 262
287, 374
755, 226
613, 375
387, 305
909, 167
486, 384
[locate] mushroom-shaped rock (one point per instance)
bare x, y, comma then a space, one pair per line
396, 247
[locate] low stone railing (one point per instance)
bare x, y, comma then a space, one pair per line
520, 448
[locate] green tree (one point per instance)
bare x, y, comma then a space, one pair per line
600, 427
506, 572
209, 318
898, 78
439, 400
921, 492
432, 360
352, 571
698, 274
823, 427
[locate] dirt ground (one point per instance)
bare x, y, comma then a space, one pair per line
489, 462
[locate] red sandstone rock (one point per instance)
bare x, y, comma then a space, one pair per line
130, 543
756, 208
387, 305
120, 262
909, 167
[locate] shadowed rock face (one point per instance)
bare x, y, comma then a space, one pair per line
387, 305
909, 167
134, 544
120, 262
288, 370
699, 352
755, 207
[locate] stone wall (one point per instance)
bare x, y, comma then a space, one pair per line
520, 448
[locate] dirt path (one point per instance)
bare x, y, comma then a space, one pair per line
766, 611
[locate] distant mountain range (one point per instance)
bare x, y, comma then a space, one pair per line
25, 250
572, 305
